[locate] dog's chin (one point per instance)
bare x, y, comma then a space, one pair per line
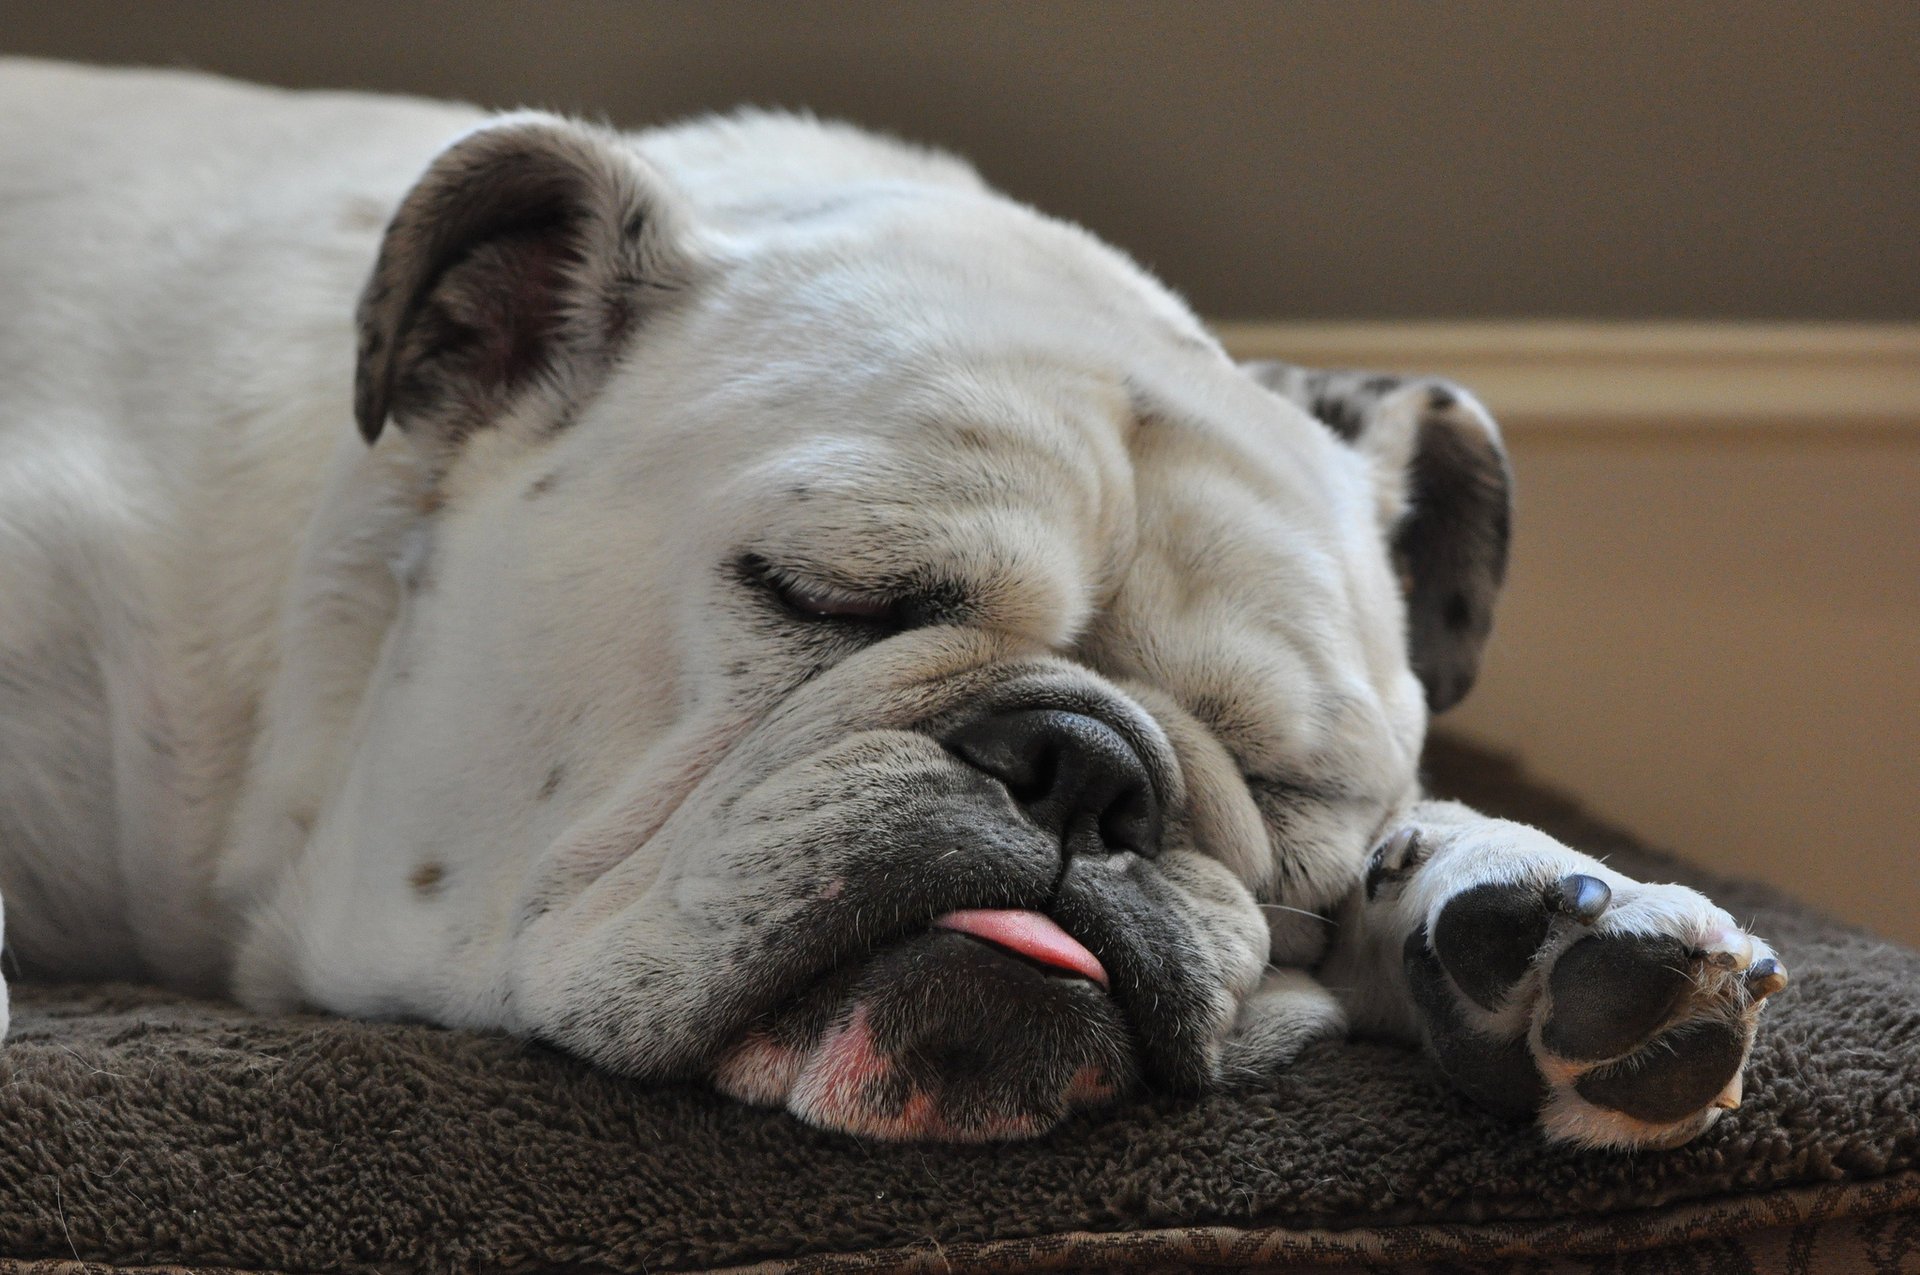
939, 1037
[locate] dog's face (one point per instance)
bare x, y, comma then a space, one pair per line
891, 633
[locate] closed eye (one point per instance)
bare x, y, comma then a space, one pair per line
816, 602
812, 602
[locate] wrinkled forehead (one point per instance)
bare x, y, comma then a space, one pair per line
1006, 487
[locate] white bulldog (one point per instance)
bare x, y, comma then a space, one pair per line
787, 615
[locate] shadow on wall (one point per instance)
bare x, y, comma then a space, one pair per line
1300, 160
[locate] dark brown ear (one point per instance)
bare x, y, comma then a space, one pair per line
517, 265
1447, 495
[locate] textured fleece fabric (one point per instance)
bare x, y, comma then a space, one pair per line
138, 1126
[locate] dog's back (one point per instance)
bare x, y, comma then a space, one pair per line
178, 262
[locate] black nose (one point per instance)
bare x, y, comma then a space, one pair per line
1072, 774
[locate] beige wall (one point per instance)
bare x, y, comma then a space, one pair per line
1273, 159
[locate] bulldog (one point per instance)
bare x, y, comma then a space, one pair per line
787, 615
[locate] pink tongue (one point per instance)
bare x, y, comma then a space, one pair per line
1028, 933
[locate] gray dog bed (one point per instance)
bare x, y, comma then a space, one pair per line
140, 1129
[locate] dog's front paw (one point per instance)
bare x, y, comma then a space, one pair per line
1620, 1013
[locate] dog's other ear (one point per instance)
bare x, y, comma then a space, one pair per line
510, 276
1446, 495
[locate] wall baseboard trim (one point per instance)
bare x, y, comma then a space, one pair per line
1849, 378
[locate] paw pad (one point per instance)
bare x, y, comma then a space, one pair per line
1679, 1074
1487, 938
1609, 992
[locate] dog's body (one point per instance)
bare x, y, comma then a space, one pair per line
793, 564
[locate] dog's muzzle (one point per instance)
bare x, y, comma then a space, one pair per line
993, 1022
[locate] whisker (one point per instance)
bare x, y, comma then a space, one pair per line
1281, 907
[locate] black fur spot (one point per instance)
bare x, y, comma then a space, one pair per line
1487, 936
1339, 414
1453, 544
1498, 1075
1610, 992
1673, 1077
551, 784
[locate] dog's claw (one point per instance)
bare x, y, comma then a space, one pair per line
1394, 849
1393, 858
1729, 1099
1580, 896
1765, 978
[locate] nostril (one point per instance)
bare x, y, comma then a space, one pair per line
1034, 782
1130, 823
1071, 774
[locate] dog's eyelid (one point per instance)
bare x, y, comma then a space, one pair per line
829, 603
909, 601
812, 599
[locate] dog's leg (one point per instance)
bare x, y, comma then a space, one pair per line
1547, 985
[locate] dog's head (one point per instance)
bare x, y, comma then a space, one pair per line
867, 643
